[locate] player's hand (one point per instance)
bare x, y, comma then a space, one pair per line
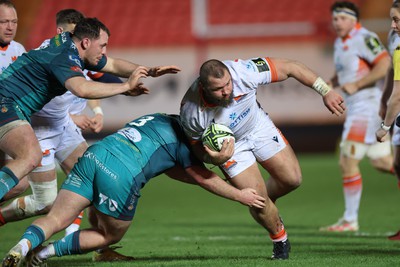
334, 102
161, 70
220, 157
349, 88
97, 123
249, 197
82, 121
381, 135
135, 87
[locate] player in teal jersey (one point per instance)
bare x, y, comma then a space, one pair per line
41, 74
108, 179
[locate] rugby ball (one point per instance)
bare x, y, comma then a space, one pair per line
215, 134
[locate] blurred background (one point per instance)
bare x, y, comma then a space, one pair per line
188, 32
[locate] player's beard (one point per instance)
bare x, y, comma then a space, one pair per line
221, 102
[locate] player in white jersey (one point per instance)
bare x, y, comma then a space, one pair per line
360, 62
390, 81
225, 93
9, 51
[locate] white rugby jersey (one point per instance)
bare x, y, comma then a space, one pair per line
9, 54
354, 57
240, 116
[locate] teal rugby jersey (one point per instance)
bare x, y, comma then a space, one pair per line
39, 75
153, 144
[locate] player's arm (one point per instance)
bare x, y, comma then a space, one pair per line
333, 82
286, 68
123, 68
217, 158
393, 109
377, 72
214, 184
83, 88
387, 91
98, 118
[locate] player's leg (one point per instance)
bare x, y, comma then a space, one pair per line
68, 159
351, 153
19, 189
70, 149
268, 217
380, 155
43, 180
21, 144
66, 207
396, 165
44, 192
285, 172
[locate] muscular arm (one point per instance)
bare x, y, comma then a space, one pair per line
393, 108
387, 91
83, 88
123, 68
377, 72
287, 68
214, 184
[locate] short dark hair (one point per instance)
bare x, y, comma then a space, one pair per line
89, 28
68, 16
396, 4
7, 3
346, 4
213, 68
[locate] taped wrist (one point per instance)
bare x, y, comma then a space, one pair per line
321, 87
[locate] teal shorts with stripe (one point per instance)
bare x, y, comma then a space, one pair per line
105, 181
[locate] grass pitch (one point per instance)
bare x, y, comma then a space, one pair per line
183, 225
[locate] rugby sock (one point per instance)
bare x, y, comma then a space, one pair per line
7, 181
75, 225
47, 252
279, 237
69, 245
35, 235
352, 189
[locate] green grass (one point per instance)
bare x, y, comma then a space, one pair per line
183, 225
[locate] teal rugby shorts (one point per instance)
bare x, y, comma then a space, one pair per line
105, 181
10, 111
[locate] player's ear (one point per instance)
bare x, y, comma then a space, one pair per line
85, 43
59, 30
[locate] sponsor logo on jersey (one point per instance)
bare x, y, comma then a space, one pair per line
112, 205
261, 64
103, 198
374, 44
74, 180
91, 156
131, 133
239, 118
275, 138
75, 59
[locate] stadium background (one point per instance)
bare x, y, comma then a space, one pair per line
187, 32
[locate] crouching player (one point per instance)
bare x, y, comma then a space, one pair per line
145, 148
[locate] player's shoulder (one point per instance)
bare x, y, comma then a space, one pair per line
17, 46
